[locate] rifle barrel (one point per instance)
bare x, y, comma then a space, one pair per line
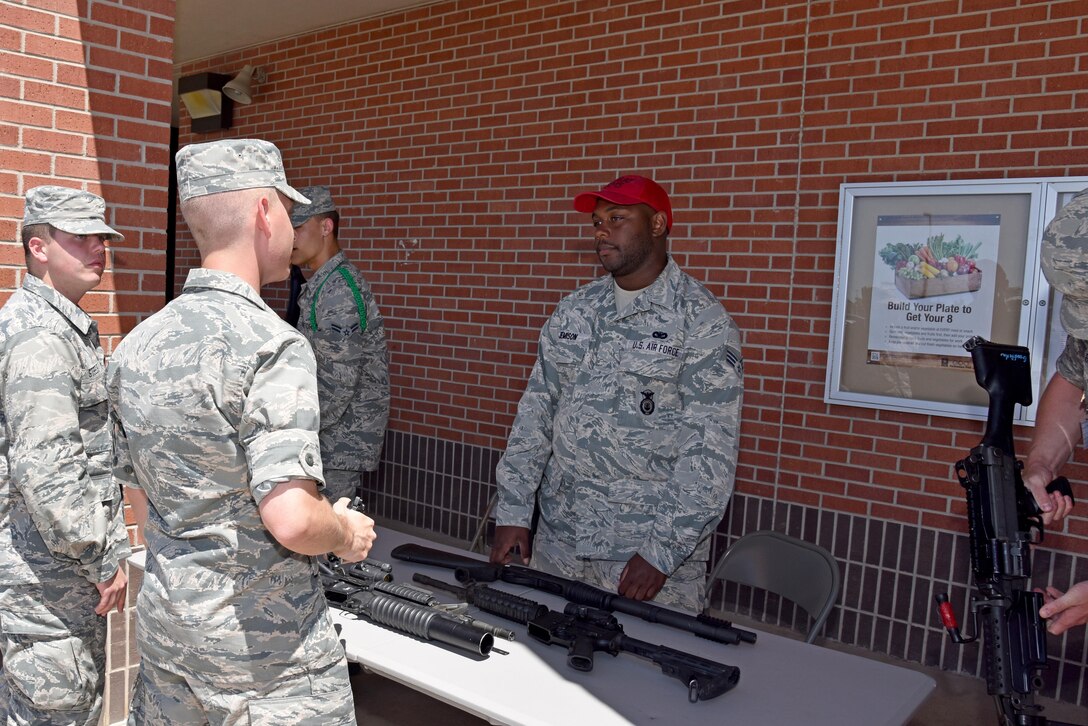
490, 600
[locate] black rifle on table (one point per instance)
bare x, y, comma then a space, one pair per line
468, 569
366, 589
1003, 522
584, 630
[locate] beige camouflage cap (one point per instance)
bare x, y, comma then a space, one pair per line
230, 165
70, 210
320, 203
1065, 263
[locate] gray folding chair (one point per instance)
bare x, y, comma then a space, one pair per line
797, 570
479, 539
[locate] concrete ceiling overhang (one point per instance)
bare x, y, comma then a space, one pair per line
205, 28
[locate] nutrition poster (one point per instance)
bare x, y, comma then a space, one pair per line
933, 288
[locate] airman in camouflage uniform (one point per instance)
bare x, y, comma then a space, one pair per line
1060, 423
62, 533
216, 418
626, 435
339, 317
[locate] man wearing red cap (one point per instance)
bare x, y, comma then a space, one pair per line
626, 435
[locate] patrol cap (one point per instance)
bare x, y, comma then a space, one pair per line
320, 203
70, 210
628, 191
229, 165
1065, 263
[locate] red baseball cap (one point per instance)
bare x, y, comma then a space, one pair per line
628, 191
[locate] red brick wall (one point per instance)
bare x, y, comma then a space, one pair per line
85, 102
85, 92
469, 126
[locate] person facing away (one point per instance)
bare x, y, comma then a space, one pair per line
339, 317
626, 435
1060, 423
216, 419
62, 531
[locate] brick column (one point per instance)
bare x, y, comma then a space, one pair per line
85, 93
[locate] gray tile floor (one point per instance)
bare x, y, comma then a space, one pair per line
958, 701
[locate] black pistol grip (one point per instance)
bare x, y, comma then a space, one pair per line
1061, 485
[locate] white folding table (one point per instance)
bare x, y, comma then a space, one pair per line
782, 681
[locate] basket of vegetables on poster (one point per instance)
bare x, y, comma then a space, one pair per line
937, 267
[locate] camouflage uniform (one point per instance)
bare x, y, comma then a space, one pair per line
627, 433
1065, 264
61, 526
1072, 364
339, 317
215, 404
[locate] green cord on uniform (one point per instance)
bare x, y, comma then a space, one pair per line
359, 304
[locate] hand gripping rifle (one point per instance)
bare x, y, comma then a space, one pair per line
584, 630
366, 589
1003, 522
468, 569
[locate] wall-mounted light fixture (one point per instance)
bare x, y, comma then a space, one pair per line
209, 108
239, 90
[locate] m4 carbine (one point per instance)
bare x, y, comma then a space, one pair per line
1003, 521
468, 569
584, 630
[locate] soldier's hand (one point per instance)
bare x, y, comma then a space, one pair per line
1064, 610
359, 532
506, 539
112, 593
1055, 505
640, 580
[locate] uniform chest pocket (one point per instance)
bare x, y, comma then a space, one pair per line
648, 381
568, 361
92, 386
94, 420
